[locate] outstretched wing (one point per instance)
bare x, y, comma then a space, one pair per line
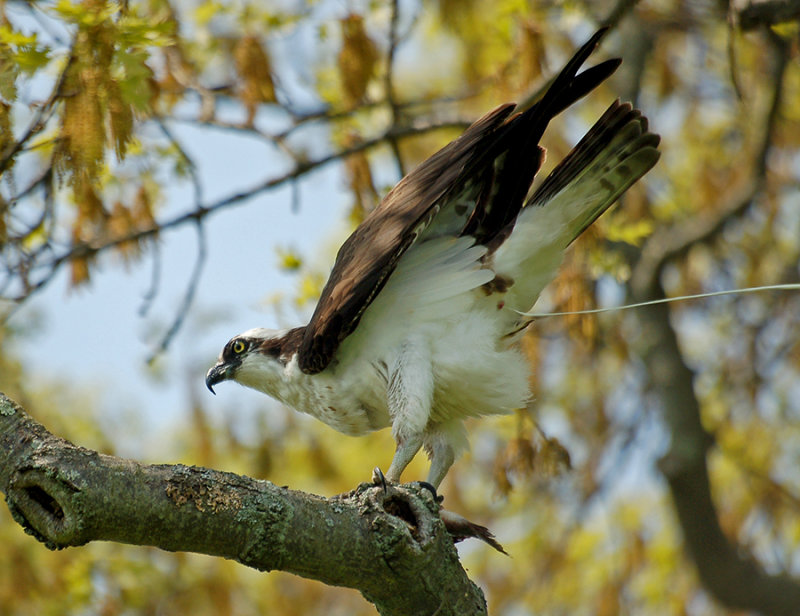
475, 185
614, 153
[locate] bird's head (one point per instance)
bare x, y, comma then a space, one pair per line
257, 358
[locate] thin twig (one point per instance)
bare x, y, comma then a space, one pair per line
329, 115
189, 294
155, 282
197, 185
615, 15
389, 86
194, 281
40, 118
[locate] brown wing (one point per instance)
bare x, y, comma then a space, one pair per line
475, 185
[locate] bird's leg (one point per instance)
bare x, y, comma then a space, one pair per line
442, 441
410, 395
407, 448
442, 457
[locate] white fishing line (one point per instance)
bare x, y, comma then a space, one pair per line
771, 287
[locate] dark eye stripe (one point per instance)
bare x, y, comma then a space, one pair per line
271, 347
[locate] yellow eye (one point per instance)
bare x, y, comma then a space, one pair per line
239, 347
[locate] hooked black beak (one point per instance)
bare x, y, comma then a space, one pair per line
218, 373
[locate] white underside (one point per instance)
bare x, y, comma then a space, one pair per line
433, 346
435, 299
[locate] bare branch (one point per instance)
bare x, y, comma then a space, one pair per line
618, 11
188, 297
330, 115
89, 249
194, 280
726, 570
768, 13
197, 185
389, 86
155, 282
388, 544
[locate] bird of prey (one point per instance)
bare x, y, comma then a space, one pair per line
416, 328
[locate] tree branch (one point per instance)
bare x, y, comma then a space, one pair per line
389, 86
90, 249
768, 13
725, 568
388, 544
188, 296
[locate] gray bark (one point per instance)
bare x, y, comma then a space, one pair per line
389, 544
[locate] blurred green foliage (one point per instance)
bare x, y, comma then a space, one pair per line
569, 485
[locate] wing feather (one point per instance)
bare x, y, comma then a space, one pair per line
434, 279
614, 154
476, 186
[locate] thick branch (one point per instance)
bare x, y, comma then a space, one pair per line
725, 568
768, 13
732, 576
390, 545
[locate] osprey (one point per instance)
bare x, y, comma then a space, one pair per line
416, 326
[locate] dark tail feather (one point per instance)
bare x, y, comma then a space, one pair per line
614, 154
568, 86
515, 168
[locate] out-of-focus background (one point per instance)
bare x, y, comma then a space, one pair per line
174, 173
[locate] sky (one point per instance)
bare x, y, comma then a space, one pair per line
95, 336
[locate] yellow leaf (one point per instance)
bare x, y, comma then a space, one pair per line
253, 66
142, 211
310, 287
289, 260
79, 271
632, 233
120, 224
357, 59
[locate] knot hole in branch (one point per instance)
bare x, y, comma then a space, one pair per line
42, 499
399, 507
41, 503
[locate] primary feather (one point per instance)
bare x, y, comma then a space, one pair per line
414, 327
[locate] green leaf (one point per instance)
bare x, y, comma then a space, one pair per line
12, 37
632, 233
134, 78
31, 58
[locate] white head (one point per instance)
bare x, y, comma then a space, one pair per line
256, 358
